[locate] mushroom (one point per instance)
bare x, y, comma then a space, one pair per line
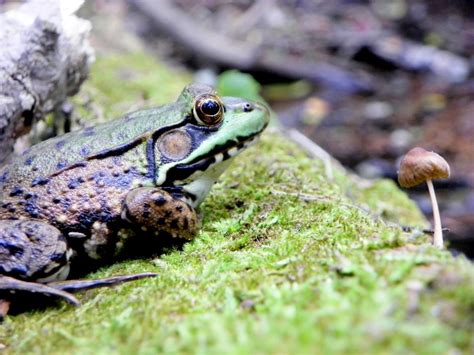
420, 165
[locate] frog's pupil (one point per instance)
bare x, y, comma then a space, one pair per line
210, 108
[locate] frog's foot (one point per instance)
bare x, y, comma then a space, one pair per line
33, 250
157, 211
80, 285
9, 286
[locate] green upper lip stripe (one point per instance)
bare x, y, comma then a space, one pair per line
221, 149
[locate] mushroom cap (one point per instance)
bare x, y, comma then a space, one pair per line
419, 165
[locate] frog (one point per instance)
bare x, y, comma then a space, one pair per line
91, 194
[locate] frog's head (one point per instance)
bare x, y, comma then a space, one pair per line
214, 129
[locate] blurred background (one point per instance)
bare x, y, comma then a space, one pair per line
365, 80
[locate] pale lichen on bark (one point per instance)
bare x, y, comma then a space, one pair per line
45, 57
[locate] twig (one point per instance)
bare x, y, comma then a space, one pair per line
251, 17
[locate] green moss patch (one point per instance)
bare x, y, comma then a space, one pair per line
119, 84
286, 262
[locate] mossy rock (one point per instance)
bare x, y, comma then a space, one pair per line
287, 261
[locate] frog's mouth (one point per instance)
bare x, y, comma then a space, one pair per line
180, 172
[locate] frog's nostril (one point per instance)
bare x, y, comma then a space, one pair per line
248, 107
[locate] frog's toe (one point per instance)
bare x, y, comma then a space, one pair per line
80, 285
4, 308
10, 286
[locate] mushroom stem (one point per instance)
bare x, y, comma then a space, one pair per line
438, 232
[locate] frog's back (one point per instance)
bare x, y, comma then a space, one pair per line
56, 154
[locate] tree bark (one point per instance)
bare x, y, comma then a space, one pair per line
44, 58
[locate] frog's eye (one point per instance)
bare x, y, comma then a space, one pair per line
208, 110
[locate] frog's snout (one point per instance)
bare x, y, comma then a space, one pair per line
263, 108
249, 106
260, 113
239, 105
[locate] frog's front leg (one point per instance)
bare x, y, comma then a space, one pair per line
156, 210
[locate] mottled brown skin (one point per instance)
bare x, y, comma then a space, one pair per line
89, 200
94, 204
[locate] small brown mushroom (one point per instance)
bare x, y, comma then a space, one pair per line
420, 165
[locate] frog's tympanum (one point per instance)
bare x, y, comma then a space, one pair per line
88, 195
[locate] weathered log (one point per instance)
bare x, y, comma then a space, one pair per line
45, 57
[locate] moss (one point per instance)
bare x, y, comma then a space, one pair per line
286, 262
384, 199
122, 83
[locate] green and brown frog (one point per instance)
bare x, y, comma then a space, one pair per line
89, 195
